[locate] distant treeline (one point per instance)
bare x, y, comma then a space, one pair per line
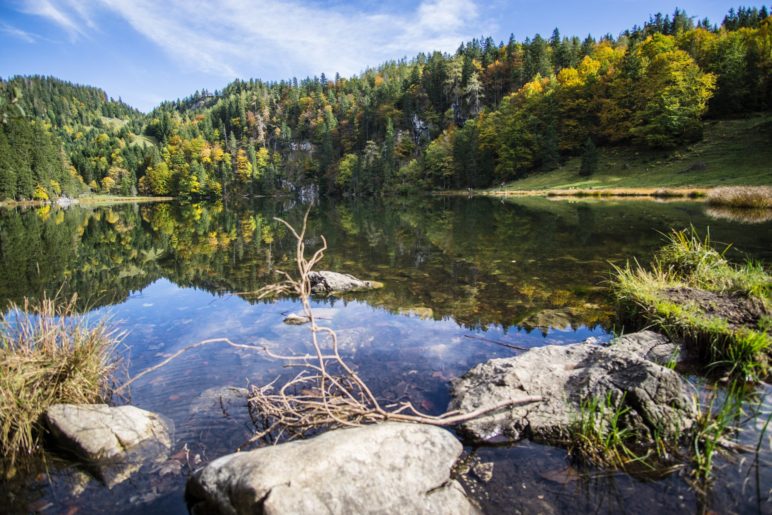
488, 113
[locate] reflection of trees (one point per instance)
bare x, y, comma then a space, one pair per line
529, 262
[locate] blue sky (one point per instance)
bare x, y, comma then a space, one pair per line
146, 51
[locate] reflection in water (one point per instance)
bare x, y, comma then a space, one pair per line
527, 263
741, 215
528, 271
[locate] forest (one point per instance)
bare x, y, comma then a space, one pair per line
487, 114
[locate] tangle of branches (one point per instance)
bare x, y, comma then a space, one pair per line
327, 391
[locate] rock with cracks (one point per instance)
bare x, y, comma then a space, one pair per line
114, 442
631, 371
326, 282
382, 468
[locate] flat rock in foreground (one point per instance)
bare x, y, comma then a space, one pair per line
566, 375
383, 468
333, 282
114, 441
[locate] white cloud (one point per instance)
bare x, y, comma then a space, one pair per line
276, 38
18, 33
57, 12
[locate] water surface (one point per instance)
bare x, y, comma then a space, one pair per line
461, 276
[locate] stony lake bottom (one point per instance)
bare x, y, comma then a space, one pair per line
462, 276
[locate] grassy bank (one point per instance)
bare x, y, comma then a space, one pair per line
48, 355
732, 152
691, 292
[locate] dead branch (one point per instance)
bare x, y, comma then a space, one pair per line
182, 351
327, 391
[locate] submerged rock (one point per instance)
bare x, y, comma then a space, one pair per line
333, 282
546, 319
113, 441
383, 468
293, 319
221, 401
566, 375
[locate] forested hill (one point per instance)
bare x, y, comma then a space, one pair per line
488, 113
103, 138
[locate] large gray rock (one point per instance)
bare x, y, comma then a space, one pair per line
383, 468
114, 441
333, 282
566, 375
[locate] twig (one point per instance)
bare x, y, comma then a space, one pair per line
497, 342
327, 391
182, 351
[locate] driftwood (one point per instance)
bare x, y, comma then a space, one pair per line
327, 391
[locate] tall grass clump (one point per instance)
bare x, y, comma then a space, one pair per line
598, 435
680, 292
715, 420
747, 197
48, 355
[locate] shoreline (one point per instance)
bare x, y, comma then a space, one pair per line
695, 194
84, 201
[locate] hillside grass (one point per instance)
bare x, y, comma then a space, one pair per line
143, 141
732, 153
115, 124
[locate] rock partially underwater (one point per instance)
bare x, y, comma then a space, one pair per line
631, 371
113, 442
325, 282
383, 468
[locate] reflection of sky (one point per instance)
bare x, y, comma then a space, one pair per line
163, 318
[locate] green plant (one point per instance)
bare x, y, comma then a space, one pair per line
712, 424
599, 435
688, 256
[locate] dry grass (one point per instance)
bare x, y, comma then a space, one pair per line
634, 193
48, 355
749, 197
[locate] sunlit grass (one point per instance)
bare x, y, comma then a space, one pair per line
598, 437
687, 261
732, 153
48, 355
714, 422
748, 197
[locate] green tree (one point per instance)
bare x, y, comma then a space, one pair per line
673, 93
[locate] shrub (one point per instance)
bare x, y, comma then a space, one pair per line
48, 355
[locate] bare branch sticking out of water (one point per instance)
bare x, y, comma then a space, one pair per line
327, 391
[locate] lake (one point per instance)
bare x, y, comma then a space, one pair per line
462, 276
